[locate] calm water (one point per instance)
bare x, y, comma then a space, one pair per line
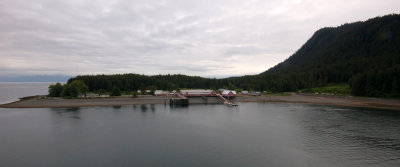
256, 134
11, 91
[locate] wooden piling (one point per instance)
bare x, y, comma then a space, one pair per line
178, 102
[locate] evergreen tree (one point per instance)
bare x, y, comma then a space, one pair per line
55, 90
395, 87
115, 92
75, 88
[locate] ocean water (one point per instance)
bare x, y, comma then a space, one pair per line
11, 91
254, 134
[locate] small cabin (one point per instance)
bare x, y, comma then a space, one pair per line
161, 93
89, 95
245, 92
255, 93
142, 93
229, 93
104, 95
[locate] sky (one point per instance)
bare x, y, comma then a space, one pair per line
209, 38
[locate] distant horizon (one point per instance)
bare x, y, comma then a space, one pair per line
35, 78
64, 78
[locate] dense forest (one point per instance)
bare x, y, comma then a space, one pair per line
366, 55
130, 82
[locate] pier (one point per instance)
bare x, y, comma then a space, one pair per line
180, 100
226, 101
184, 99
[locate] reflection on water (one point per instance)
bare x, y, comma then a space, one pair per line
116, 107
179, 108
254, 134
143, 107
73, 112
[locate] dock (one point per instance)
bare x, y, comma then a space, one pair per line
226, 101
182, 100
179, 100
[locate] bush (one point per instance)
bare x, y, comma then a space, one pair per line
135, 94
55, 90
75, 88
115, 92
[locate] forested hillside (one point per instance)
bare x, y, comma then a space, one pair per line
365, 55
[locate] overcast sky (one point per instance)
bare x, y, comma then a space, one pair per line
194, 37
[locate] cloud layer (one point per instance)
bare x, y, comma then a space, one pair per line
206, 38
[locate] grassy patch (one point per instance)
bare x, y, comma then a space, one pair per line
341, 89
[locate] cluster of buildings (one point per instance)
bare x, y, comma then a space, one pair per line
186, 92
92, 95
204, 92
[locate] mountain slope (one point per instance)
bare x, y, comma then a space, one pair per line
365, 54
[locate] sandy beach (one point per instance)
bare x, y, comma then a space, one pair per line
39, 102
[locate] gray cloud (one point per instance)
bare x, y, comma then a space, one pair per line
206, 38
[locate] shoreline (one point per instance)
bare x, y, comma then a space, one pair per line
359, 102
341, 101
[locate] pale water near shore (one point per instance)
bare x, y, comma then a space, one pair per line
255, 134
11, 91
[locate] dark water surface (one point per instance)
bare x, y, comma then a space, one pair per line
256, 134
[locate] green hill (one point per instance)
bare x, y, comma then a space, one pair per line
364, 54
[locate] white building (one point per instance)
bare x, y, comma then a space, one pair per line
89, 95
245, 92
104, 95
255, 93
229, 93
198, 92
161, 93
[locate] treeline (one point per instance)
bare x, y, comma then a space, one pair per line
377, 83
71, 89
131, 82
366, 55
78, 88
